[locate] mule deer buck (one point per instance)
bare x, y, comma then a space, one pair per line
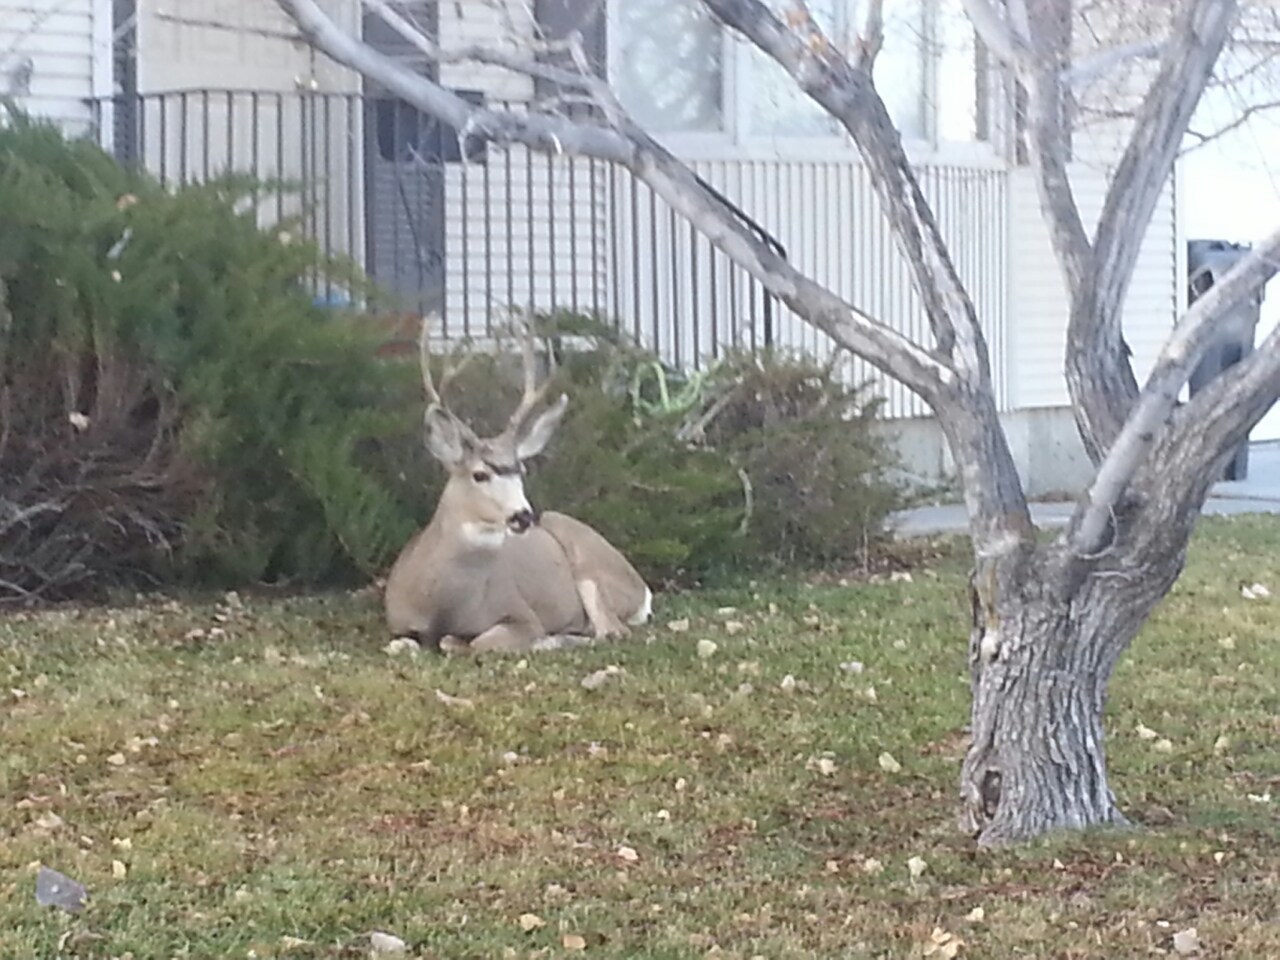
488, 573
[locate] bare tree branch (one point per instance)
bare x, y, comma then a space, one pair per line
872, 39
1098, 373
228, 26
997, 505
1247, 113
670, 179
1160, 394
849, 95
1002, 37
1104, 61
1014, 43
476, 53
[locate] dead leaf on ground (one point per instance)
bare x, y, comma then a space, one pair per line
572, 941
943, 944
823, 765
449, 700
530, 922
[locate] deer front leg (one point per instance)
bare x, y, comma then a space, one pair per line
502, 638
604, 622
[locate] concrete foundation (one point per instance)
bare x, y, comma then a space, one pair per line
1046, 450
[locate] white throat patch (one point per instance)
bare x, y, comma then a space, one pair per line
483, 536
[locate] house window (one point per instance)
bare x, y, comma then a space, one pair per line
778, 108
961, 106
670, 66
676, 71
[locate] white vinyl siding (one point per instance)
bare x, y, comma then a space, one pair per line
58, 37
1038, 309
485, 23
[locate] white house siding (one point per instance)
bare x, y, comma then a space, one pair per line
59, 39
500, 245
225, 90
494, 24
235, 44
1038, 302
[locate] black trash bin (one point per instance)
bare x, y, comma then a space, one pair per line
1207, 260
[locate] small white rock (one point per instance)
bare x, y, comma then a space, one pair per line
1186, 942
707, 649
403, 645
380, 942
788, 683
594, 681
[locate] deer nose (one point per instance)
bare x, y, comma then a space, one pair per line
522, 521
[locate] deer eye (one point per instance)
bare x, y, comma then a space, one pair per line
480, 476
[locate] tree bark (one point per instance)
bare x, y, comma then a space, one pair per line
1041, 656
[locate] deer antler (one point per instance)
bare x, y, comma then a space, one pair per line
533, 393
435, 397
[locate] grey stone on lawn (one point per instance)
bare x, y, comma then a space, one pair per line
54, 889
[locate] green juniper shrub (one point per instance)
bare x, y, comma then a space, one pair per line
766, 459
819, 471
175, 405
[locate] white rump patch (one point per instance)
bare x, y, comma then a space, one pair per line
642, 615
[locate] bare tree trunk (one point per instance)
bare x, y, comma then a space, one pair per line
1041, 656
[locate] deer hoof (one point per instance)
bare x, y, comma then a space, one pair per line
451, 646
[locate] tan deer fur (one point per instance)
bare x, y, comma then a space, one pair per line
488, 574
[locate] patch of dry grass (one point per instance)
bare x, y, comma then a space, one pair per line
303, 789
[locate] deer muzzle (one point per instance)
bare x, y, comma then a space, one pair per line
522, 521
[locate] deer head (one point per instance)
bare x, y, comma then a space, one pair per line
485, 490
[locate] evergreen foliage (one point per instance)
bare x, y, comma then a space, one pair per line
174, 404
175, 407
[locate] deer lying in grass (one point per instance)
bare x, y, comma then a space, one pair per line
488, 573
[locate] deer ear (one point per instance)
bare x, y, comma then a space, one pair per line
448, 438
533, 438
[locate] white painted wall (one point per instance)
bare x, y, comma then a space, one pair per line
58, 38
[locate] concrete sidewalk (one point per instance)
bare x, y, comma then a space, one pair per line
1260, 493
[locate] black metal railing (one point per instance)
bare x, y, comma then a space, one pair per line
469, 234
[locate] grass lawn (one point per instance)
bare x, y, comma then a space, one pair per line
261, 779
